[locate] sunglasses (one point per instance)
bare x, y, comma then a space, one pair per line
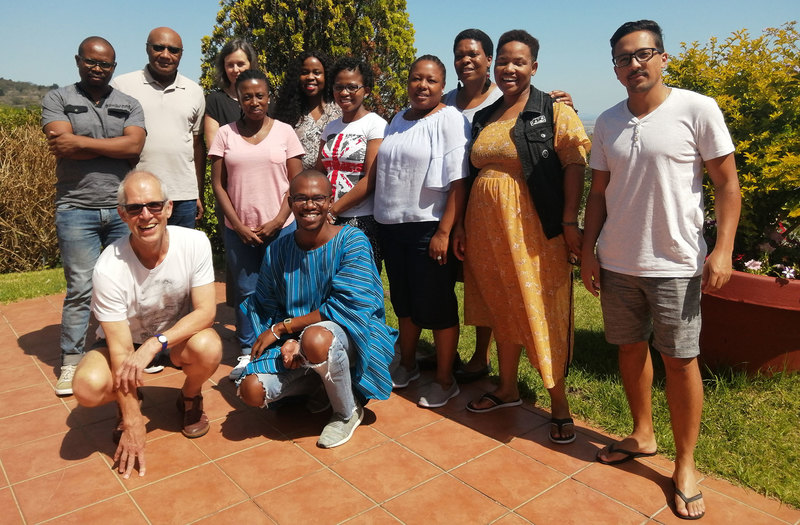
158, 48
153, 207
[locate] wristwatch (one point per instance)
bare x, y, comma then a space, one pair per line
161, 338
288, 324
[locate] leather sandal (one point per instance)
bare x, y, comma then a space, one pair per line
195, 421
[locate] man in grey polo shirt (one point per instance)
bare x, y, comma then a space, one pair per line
96, 134
173, 107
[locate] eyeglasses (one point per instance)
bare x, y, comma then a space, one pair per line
153, 207
317, 200
91, 63
641, 55
159, 48
350, 88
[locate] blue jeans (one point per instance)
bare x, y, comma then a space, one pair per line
82, 235
334, 373
244, 263
183, 213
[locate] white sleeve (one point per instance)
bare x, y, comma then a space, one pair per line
203, 266
713, 138
597, 157
109, 301
376, 128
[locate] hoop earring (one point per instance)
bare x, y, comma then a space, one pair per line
488, 83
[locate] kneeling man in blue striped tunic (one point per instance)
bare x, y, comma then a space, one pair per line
319, 309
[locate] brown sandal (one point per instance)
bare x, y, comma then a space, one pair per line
195, 421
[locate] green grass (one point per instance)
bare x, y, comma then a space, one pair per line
750, 430
750, 433
17, 286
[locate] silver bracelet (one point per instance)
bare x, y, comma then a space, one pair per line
272, 329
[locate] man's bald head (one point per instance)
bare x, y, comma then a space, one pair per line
135, 178
308, 176
94, 42
164, 33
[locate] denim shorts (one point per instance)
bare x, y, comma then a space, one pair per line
302, 380
666, 307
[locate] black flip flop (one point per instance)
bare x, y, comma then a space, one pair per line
628, 455
686, 501
560, 422
496, 403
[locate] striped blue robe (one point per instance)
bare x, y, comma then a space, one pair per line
340, 280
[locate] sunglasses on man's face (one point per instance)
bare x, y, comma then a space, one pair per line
159, 48
153, 207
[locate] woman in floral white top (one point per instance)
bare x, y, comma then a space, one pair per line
305, 102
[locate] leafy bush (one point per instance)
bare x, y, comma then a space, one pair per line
27, 177
756, 82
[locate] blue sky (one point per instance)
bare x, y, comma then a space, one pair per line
42, 37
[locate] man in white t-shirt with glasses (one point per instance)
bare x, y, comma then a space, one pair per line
155, 300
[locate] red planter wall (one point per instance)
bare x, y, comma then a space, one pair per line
752, 323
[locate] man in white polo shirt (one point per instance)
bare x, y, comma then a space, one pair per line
173, 110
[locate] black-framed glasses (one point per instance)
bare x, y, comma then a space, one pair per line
159, 48
317, 200
153, 207
92, 63
350, 88
641, 55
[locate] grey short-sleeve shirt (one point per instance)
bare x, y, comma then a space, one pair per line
91, 183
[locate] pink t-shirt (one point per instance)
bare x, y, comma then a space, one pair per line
257, 176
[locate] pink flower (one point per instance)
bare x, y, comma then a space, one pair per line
753, 265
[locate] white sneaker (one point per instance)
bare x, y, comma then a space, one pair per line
436, 396
338, 431
64, 383
238, 370
401, 376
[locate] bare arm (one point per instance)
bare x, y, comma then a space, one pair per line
200, 171
210, 128
364, 187
594, 219
132, 442
573, 190
728, 199
319, 166
64, 143
267, 338
453, 213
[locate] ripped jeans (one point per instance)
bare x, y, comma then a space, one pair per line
334, 373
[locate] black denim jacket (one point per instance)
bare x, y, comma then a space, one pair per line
533, 137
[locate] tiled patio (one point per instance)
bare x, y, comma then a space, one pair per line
404, 464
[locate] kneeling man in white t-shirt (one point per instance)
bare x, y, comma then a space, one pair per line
155, 301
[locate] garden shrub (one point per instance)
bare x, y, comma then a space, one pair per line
27, 177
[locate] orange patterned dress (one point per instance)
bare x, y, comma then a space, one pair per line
516, 280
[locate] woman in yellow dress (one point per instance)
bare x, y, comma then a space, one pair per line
528, 156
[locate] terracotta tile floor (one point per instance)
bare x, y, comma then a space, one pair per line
404, 464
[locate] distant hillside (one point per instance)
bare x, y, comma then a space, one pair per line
21, 94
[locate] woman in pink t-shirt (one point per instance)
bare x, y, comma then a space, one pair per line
252, 162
